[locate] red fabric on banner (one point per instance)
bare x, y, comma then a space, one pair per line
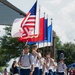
41, 30
39, 37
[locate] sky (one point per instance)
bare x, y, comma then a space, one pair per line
62, 12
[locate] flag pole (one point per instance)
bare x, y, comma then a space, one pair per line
47, 33
43, 36
51, 40
25, 45
26, 42
39, 25
51, 20
35, 24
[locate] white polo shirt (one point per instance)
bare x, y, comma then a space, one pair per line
61, 67
45, 70
54, 68
41, 63
26, 60
35, 60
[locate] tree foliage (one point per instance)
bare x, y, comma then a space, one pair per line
68, 48
58, 43
10, 47
69, 51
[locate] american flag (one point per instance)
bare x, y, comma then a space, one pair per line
28, 23
38, 38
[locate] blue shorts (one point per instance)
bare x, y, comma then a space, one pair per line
60, 73
46, 73
54, 73
24, 71
36, 71
50, 72
40, 72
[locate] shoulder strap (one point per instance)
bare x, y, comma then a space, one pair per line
20, 58
63, 66
30, 58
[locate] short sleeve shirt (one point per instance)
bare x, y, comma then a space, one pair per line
35, 60
61, 67
26, 60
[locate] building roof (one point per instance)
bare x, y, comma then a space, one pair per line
9, 12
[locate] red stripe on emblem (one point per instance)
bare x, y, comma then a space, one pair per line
24, 19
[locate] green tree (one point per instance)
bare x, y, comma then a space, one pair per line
69, 52
58, 43
9, 47
58, 46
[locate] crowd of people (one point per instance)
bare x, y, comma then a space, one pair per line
34, 64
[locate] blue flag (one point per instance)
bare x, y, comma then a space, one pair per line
49, 35
46, 29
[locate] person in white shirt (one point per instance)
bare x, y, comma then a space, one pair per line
54, 68
26, 63
45, 67
41, 62
50, 63
36, 58
61, 66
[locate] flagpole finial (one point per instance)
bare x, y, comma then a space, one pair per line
51, 20
44, 14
